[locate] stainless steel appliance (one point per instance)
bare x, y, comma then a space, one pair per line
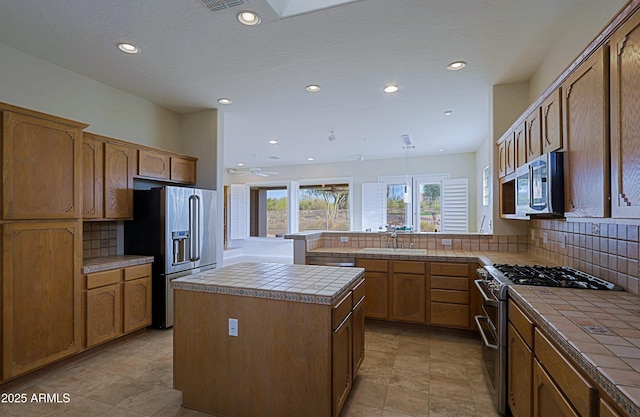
493, 284
177, 226
540, 186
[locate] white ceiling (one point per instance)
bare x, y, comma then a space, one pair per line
191, 56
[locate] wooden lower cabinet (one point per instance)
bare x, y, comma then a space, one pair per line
342, 364
358, 326
408, 291
376, 278
449, 296
519, 375
607, 410
41, 294
117, 302
548, 400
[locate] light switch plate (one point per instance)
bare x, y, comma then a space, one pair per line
233, 327
344, 239
446, 242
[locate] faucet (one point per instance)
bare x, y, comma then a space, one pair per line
394, 236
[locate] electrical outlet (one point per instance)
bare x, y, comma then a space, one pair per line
344, 239
545, 237
233, 327
595, 229
104, 243
563, 242
446, 242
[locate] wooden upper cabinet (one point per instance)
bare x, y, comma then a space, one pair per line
520, 145
507, 155
625, 128
40, 165
119, 168
585, 121
533, 135
152, 164
183, 169
551, 122
92, 178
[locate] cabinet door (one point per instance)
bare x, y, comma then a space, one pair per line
40, 167
41, 294
510, 154
408, 297
449, 315
548, 400
358, 336
153, 164
551, 114
502, 159
625, 129
520, 145
183, 170
119, 167
586, 163
104, 314
137, 304
342, 366
92, 177
520, 375
376, 301
532, 135
607, 410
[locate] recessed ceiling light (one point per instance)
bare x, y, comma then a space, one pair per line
456, 65
448, 112
312, 88
273, 142
129, 48
248, 18
441, 150
310, 158
240, 164
390, 89
224, 101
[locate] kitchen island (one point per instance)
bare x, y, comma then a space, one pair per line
268, 339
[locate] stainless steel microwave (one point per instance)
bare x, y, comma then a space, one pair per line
540, 186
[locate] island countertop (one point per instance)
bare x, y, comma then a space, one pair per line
297, 283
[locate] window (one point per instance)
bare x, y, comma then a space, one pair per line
430, 210
268, 211
324, 207
485, 186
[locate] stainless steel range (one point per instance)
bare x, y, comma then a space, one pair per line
493, 284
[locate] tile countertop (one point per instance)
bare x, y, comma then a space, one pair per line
298, 283
91, 265
442, 255
599, 330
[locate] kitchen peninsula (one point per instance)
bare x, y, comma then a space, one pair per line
268, 339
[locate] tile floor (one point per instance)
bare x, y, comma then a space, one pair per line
406, 372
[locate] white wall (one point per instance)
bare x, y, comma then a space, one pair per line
457, 165
32, 83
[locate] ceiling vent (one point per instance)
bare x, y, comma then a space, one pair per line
217, 5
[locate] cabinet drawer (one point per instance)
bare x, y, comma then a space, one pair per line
450, 283
576, 388
100, 279
138, 271
450, 296
521, 323
409, 267
373, 265
340, 310
454, 315
450, 268
358, 292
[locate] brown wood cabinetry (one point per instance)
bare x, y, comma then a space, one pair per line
92, 178
507, 155
607, 410
586, 134
376, 278
548, 399
449, 294
533, 135
625, 129
358, 326
119, 168
520, 145
408, 284
40, 165
520, 363
166, 166
551, 116
342, 353
118, 301
41, 294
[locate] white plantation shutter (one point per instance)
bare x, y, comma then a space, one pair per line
374, 205
455, 206
293, 205
238, 212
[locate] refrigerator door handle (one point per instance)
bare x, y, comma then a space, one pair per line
194, 225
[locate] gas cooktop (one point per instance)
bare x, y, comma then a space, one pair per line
559, 276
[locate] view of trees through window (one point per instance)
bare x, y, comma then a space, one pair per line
324, 207
277, 212
430, 207
399, 211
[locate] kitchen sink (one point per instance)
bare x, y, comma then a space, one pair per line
397, 251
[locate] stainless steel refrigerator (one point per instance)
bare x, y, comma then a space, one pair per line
177, 226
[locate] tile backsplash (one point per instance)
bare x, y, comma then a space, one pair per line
99, 239
606, 250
